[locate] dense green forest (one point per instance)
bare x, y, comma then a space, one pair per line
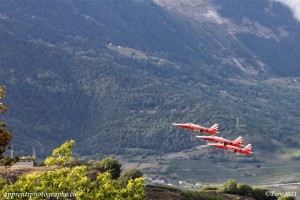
64, 82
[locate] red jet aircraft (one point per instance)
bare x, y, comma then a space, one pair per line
212, 130
238, 142
246, 150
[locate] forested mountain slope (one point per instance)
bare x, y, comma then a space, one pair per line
114, 75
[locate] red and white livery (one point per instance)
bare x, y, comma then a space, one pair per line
238, 142
212, 130
246, 150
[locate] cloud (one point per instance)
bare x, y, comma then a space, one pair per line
294, 5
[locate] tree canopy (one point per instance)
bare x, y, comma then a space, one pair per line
129, 175
5, 135
61, 155
111, 166
68, 182
74, 182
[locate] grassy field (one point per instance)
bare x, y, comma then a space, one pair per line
139, 55
265, 168
214, 167
220, 172
209, 166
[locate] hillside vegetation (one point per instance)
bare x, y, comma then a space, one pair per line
64, 81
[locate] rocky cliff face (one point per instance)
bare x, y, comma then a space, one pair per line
237, 20
209, 11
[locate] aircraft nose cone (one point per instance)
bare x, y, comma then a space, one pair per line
180, 125
176, 124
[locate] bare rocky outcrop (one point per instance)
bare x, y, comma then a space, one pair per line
205, 11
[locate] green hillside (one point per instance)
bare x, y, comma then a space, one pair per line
65, 80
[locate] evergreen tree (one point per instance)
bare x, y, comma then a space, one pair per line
244, 190
111, 166
5, 135
230, 187
129, 175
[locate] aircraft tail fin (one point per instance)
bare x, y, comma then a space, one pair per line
248, 147
215, 127
239, 140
